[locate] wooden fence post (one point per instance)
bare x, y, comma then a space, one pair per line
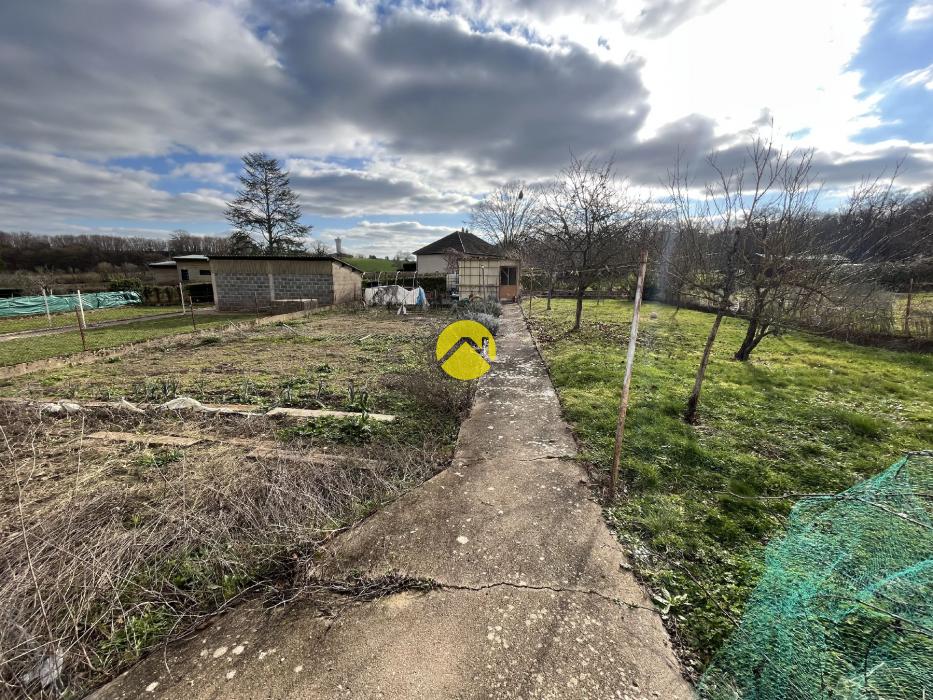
623, 399
81, 329
910, 294
191, 308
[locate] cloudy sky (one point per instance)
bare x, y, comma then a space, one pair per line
393, 117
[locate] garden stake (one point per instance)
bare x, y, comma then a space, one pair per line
629, 360
81, 329
191, 307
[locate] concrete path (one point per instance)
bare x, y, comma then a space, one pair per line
533, 600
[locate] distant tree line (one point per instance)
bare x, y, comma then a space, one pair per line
29, 252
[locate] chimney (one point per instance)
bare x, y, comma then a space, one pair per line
339, 249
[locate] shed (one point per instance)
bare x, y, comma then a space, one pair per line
262, 281
193, 269
488, 277
164, 272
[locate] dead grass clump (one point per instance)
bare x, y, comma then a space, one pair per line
106, 552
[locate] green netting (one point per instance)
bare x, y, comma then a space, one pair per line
32, 306
845, 606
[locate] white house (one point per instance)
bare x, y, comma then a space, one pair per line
478, 268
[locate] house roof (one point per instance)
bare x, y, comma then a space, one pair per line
329, 258
196, 258
164, 263
460, 241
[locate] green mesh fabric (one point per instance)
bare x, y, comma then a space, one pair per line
33, 306
845, 606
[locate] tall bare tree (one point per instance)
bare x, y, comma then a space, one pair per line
781, 265
266, 212
587, 221
507, 216
714, 229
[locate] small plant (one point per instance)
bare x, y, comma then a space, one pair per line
484, 306
286, 391
340, 431
247, 391
486, 320
158, 459
155, 390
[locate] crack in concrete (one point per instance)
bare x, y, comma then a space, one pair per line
553, 589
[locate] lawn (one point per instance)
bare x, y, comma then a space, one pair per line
373, 264
91, 316
41, 347
133, 544
805, 415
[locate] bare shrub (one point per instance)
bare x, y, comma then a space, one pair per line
107, 551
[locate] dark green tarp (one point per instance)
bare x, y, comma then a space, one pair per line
32, 306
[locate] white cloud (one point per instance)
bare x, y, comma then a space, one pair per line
407, 110
919, 13
921, 76
383, 238
206, 171
44, 192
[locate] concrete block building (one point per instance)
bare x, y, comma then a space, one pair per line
282, 283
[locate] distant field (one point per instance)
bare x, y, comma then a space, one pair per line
43, 346
373, 265
805, 415
69, 318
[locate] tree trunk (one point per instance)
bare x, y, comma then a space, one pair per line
576, 322
749, 342
690, 415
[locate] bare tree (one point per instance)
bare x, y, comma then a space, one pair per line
182, 243
796, 273
452, 258
586, 221
545, 260
266, 212
507, 216
713, 230
318, 248
781, 266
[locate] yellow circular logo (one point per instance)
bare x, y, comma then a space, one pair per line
465, 349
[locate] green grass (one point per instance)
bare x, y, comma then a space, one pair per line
59, 344
373, 265
805, 415
91, 316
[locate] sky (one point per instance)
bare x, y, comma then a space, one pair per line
393, 118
